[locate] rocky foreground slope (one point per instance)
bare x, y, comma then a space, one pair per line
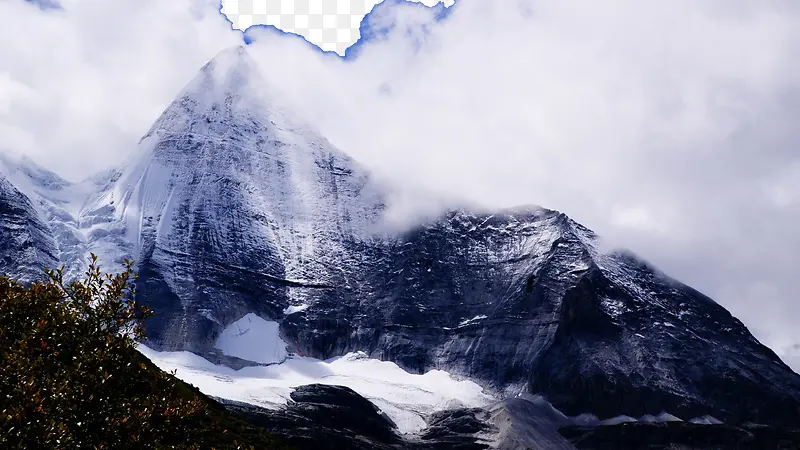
233, 206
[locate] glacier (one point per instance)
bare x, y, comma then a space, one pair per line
408, 399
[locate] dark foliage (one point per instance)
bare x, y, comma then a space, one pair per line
71, 377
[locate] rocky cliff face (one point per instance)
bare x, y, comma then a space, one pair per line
523, 301
233, 206
26, 243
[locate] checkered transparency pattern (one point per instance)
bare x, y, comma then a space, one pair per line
333, 25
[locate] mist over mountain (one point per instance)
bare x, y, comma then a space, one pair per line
233, 207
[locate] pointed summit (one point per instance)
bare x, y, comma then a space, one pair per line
231, 69
231, 55
231, 80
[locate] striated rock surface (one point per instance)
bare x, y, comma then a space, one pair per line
56, 235
27, 246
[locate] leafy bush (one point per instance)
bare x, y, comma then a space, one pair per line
70, 375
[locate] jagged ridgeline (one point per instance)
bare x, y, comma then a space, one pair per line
233, 206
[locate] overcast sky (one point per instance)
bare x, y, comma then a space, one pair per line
668, 127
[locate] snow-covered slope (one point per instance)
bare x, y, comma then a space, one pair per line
253, 339
408, 399
27, 246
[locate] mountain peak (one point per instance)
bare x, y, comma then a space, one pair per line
231, 61
229, 170
16, 167
234, 52
227, 89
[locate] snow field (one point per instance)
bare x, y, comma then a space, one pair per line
406, 398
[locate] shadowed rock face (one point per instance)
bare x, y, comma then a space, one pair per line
233, 206
681, 436
685, 355
600, 334
26, 243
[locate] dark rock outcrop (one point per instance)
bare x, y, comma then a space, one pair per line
335, 417
528, 423
322, 417
682, 436
457, 429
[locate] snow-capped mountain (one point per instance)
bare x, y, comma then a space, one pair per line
50, 205
230, 201
56, 205
234, 208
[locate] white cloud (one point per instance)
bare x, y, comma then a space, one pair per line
668, 127
80, 84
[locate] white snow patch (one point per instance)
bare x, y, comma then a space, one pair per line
474, 319
590, 420
254, 339
618, 420
578, 267
586, 420
667, 417
706, 420
613, 307
661, 418
406, 398
291, 309
208, 315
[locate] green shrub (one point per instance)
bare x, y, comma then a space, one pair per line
70, 375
